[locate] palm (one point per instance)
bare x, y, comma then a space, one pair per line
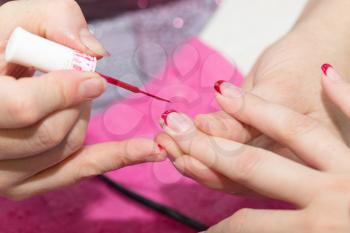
290, 75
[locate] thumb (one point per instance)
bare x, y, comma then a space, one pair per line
60, 21
35, 98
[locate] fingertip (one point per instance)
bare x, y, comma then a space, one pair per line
176, 123
171, 148
92, 44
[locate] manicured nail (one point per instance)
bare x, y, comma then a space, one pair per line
325, 68
92, 43
178, 122
331, 73
217, 86
161, 148
227, 89
164, 116
92, 88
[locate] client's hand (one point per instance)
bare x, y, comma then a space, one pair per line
319, 186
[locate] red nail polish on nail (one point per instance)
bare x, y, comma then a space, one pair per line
218, 85
325, 68
165, 116
161, 148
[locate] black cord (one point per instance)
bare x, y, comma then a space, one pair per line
160, 208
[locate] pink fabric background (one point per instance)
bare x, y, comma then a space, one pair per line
90, 207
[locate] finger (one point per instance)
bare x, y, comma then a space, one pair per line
41, 17
300, 133
260, 221
337, 89
89, 161
222, 125
38, 138
196, 170
16, 170
258, 169
28, 100
173, 150
206, 176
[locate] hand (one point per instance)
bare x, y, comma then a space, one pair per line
288, 73
319, 187
43, 120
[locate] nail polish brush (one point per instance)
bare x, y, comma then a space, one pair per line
29, 50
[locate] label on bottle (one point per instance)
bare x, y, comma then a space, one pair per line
83, 62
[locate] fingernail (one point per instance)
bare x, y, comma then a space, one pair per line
325, 68
92, 88
161, 148
92, 43
217, 86
330, 72
178, 122
227, 89
165, 114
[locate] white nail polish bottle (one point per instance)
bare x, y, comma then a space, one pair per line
27, 49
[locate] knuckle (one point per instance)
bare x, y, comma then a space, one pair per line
246, 163
22, 111
296, 126
49, 135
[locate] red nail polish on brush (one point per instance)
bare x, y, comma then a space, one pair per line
217, 86
325, 68
165, 116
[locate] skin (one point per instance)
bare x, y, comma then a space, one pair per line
322, 179
286, 76
287, 73
37, 156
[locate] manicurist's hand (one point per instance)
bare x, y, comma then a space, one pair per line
318, 184
287, 73
43, 120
